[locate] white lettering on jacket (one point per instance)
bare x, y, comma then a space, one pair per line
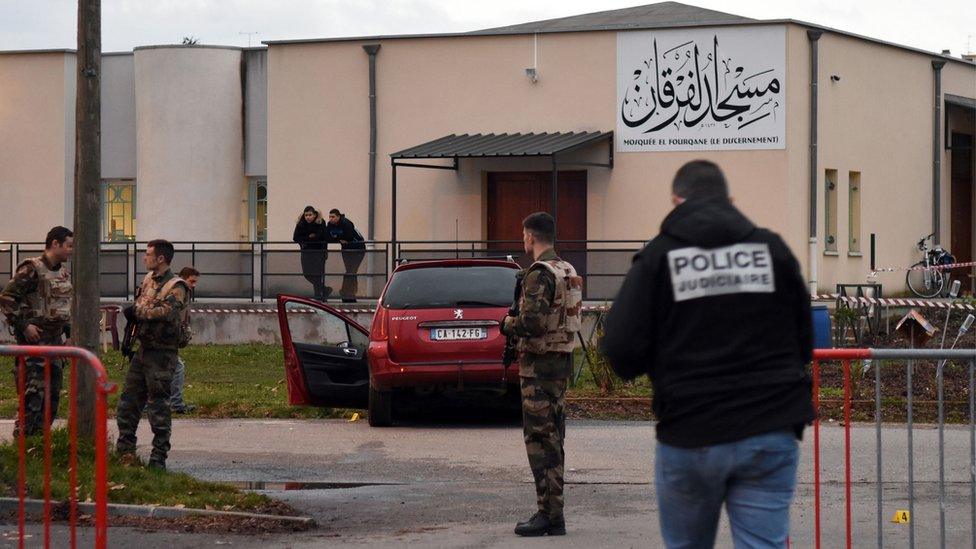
736, 269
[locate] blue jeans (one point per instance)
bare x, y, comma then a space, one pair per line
179, 379
753, 477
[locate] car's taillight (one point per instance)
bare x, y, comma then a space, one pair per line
380, 324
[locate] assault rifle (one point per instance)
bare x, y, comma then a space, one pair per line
129, 337
511, 353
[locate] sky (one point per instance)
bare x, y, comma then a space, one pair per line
42, 24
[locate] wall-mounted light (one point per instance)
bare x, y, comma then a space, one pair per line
532, 74
834, 78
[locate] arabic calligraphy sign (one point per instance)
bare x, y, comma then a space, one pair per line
701, 89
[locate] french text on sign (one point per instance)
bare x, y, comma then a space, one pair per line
740, 268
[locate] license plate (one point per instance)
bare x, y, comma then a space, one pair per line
454, 334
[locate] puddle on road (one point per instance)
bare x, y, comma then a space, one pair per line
286, 486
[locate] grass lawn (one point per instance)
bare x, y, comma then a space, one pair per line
128, 484
224, 381
242, 381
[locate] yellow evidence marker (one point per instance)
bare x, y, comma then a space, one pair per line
901, 517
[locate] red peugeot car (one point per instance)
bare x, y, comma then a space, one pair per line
436, 329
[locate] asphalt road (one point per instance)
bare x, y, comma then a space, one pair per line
465, 484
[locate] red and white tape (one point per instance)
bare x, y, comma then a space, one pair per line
917, 268
893, 302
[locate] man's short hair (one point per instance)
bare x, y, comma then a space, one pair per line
163, 248
187, 272
59, 234
542, 226
700, 179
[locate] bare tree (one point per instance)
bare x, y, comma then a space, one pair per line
190, 41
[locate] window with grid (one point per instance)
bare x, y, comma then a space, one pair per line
119, 210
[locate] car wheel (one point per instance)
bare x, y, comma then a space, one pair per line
380, 408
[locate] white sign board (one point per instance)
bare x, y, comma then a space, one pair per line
701, 89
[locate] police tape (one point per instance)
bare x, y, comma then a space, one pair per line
923, 268
862, 301
893, 302
274, 310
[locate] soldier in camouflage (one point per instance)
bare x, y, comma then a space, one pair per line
546, 327
160, 301
37, 305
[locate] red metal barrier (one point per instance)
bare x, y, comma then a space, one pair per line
844, 356
102, 389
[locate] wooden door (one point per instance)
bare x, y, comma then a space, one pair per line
514, 195
961, 199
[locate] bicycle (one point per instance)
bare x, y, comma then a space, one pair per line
926, 278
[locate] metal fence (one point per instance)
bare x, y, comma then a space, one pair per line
259, 271
602, 263
97, 507
930, 365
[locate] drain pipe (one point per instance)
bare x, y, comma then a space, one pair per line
937, 65
371, 51
814, 37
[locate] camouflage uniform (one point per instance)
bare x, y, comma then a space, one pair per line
546, 326
151, 371
40, 294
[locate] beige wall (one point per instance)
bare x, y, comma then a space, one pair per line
428, 88
37, 132
189, 143
118, 117
877, 120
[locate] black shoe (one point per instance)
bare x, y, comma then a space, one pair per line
157, 464
326, 292
349, 300
540, 525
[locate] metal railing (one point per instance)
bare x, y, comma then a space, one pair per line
103, 387
876, 359
258, 271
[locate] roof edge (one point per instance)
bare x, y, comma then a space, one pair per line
36, 51
187, 46
752, 22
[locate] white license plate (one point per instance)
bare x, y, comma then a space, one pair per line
454, 334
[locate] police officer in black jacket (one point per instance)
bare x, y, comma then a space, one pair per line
715, 311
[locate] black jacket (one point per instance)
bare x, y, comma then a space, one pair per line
311, 236
346, 230
716, 312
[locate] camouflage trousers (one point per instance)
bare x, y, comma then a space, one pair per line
149, 380
34, 387
544, 428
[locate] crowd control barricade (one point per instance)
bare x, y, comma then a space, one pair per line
870, 363
74, 358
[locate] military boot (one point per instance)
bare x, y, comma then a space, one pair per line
540, 525
157, 464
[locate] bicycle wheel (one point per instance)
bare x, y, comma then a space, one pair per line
925, 282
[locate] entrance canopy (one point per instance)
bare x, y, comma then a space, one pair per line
502, 145
492, 145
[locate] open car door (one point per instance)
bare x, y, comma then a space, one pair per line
325, 354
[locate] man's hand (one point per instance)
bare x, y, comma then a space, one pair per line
31, 334
507, 324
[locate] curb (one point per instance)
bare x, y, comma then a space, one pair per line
36, 506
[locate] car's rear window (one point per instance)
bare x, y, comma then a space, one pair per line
476, 286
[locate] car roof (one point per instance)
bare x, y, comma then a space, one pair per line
456, 263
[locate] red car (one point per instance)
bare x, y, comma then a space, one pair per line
436, 328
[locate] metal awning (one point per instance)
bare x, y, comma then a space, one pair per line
492, 145
500, 145
960, 101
